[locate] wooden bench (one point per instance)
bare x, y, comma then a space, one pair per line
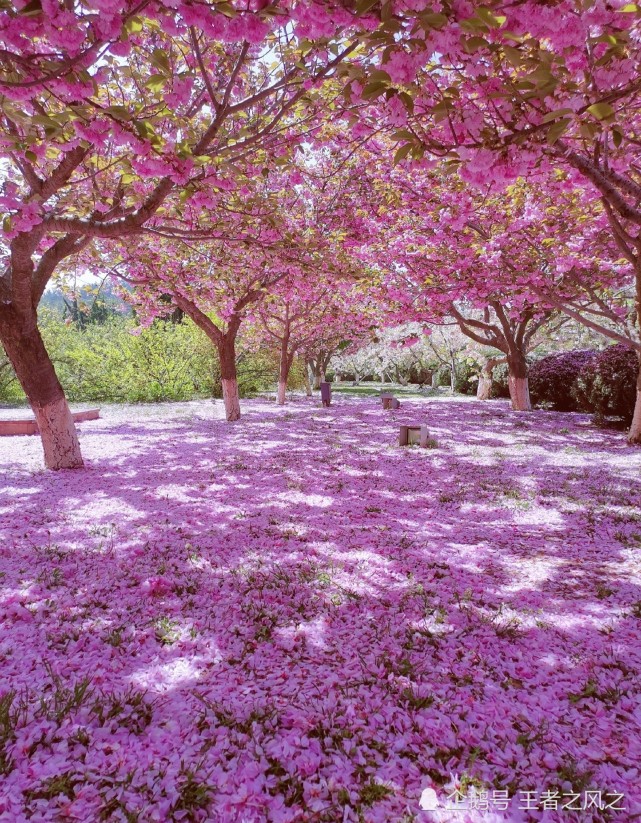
30, 426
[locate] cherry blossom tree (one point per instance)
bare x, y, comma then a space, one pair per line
310, 316
105, 115
503, 91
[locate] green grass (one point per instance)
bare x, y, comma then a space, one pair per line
375, 389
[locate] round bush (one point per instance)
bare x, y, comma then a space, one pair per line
606, 385
464, 385
552, 379
500, 387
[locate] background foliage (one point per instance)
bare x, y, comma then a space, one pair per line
119, 361
602, 383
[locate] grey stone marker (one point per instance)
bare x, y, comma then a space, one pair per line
411, 435
389, 401
326, 393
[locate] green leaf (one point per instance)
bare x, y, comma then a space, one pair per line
553, 115
226, 8
119, 112
156, 82
602, 111
31, 9
489, 18
160, 61
473, 44
433, 20
407, 101
402, 152
402, 134
379, 76
363, 6
514, 55
473, 25
44, 120
617, 136
588, 130
557, 129
134, 26
373, 90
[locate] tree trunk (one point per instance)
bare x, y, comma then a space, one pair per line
634, 435
319, 373
484, 388
283, 371
229, 377
308, 385
26, 351
434, 379
400, 378
518, 382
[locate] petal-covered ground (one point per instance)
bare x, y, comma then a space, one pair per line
290, 618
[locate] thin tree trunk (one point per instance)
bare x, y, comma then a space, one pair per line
33, 367
634, 435
518, 383
229, 377
283, 371
400, 378
434, 380
308, 385
319, 374
484, 388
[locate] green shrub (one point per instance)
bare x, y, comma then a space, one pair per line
500, 386
553, 379
464, 372
119, 361
606, 386
10, 391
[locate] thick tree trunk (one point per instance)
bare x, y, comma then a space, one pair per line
518, 382
281, 393
26, 351
229, 377
634, 435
